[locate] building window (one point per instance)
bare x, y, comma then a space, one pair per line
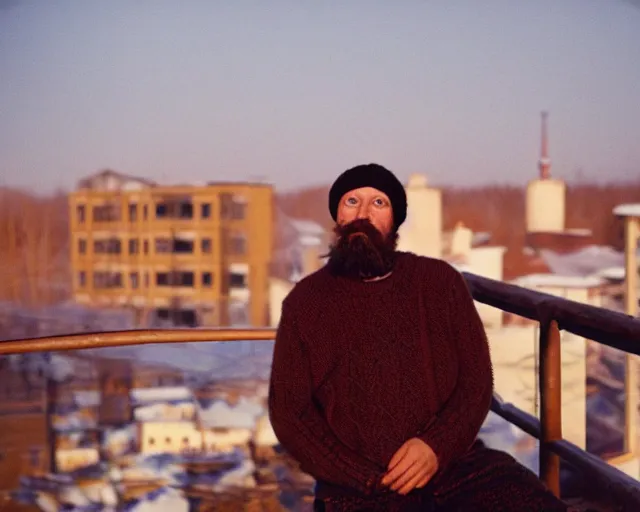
232, 207
174, 209
82, 246
106, 213
81, 213
183, 246
207, 279
145, 246
145, 212
237, 280
109, 246
164, 245
82, 279
206, 245
184, 279
152, 441
133, 212
107, 280
146, 279
133, 279
205, 210
133, 246
185, 211
238, 244
175, 278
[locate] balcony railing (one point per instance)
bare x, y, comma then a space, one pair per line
553, 314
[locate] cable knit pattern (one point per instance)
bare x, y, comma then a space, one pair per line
360, 367
461, 414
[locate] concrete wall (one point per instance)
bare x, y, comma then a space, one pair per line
169, 437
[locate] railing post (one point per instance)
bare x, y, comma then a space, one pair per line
632, 234
550, 403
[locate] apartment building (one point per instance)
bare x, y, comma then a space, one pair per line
188, 255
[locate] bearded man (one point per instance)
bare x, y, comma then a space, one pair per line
382, 377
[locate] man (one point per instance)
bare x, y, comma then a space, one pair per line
381, 374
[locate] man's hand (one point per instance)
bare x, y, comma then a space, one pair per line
411, 467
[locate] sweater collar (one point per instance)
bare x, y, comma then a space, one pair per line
358, 287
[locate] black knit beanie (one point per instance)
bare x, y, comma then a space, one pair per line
375, 176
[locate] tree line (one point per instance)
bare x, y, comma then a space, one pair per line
34, 248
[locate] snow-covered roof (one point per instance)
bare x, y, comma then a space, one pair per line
242, 415
612, 273
557, 281
309, 241
587, 261
241, 359
307, 227
627, 210
91, 398
161, 394
480, 238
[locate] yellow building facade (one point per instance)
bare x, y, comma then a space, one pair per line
191, 255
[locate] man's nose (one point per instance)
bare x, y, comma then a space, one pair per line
363, 212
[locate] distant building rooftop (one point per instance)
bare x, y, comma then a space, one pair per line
588, 261
627, 210
558, 281
114, 180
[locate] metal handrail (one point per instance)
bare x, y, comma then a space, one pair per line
554, 314
619, 486
131, 337
607, 327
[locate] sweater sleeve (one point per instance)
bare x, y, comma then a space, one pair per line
458, 423
301, 429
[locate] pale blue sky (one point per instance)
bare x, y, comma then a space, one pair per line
296, 91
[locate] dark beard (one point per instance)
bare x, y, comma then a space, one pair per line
360, 251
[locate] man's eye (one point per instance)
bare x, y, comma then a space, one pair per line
352, 200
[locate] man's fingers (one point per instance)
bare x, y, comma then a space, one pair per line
405, 476
426, 479
412, 473
398, 456
413, 482
399, 469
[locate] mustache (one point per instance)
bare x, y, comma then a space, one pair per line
358, 228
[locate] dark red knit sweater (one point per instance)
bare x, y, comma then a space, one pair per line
361, 367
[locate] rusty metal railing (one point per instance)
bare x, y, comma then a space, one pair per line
554, 314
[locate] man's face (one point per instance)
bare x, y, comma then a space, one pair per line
365, 244
366, 203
